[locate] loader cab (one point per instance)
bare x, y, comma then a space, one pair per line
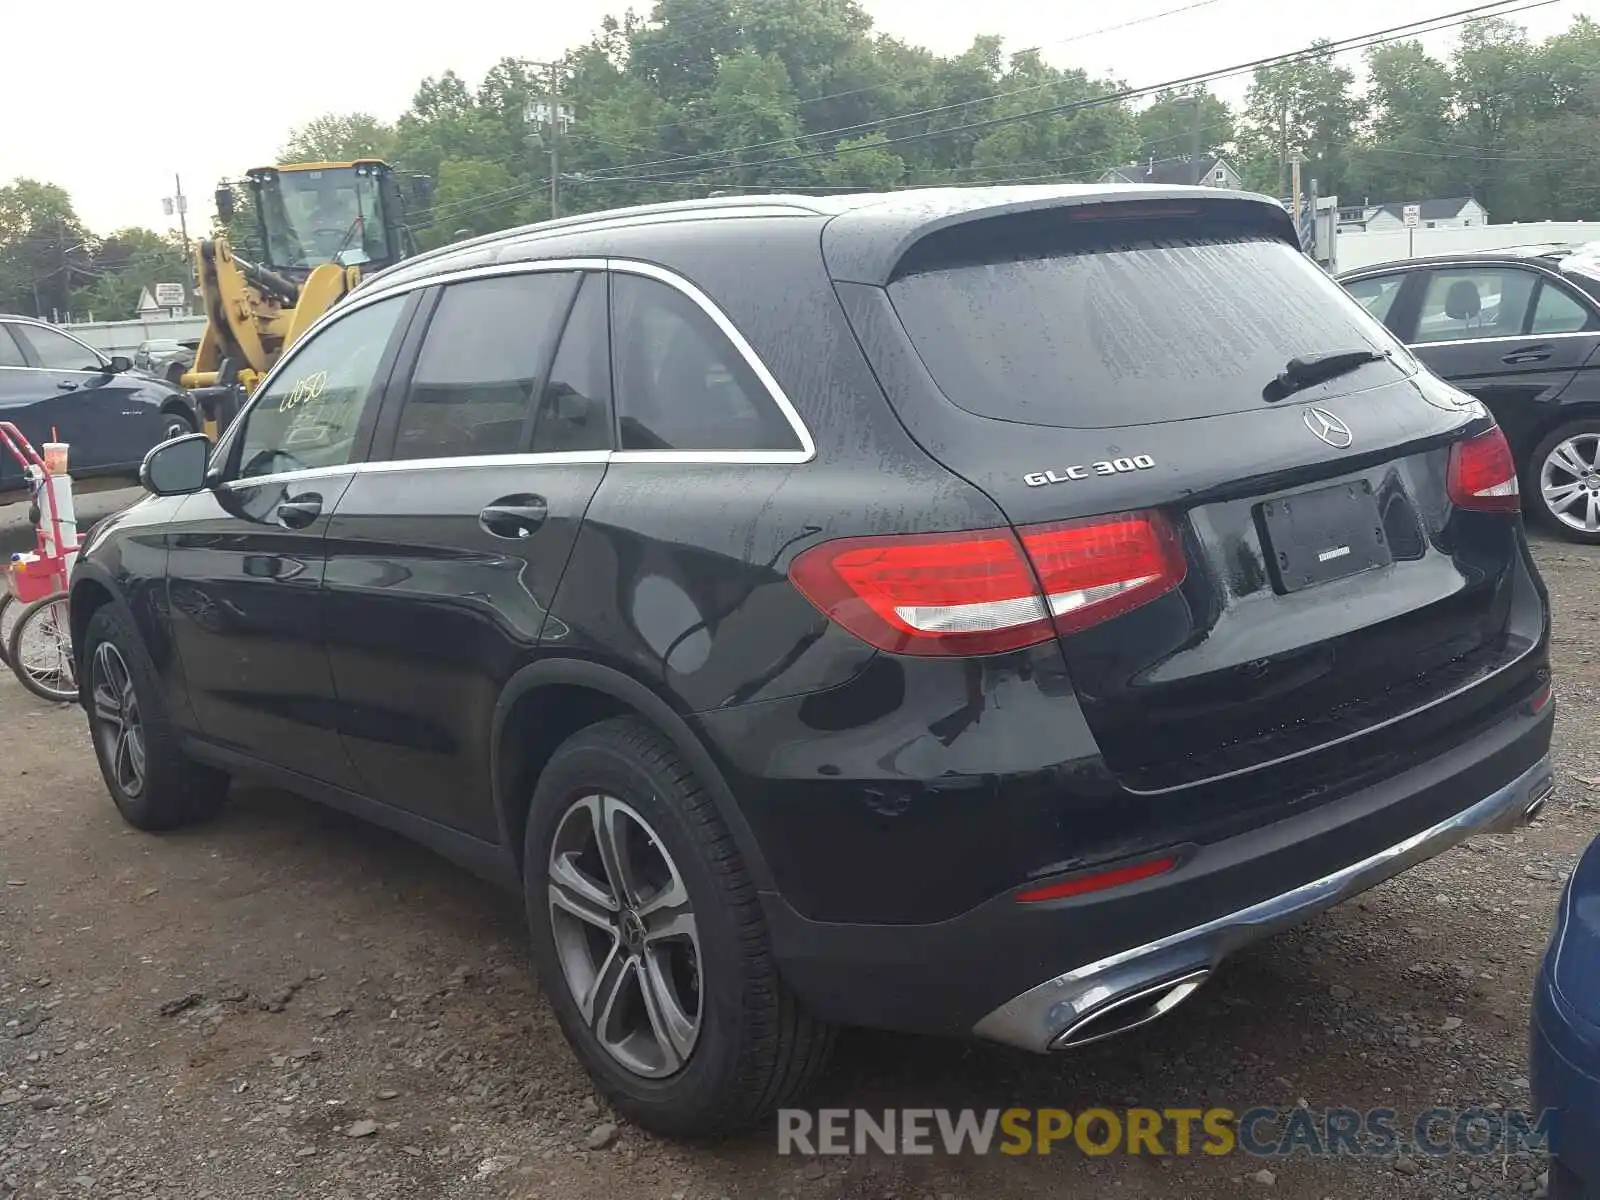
313, 213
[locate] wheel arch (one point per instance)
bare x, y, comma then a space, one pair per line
1562, 414
548, 701
90, 592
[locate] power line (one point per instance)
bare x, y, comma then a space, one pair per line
1359, 42
923, 78
1364, 41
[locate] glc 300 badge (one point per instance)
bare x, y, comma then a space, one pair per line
1112, 466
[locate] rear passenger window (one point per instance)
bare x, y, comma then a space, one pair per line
1557, 312
1468, 303
575, 413
484, 354
680, 383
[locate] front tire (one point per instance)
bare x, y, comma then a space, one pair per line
650, 941
1563, 481
152, 782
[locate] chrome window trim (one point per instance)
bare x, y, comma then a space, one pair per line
1506, 337
805, 453
556, 458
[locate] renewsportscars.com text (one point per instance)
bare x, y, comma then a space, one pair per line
1260, 1131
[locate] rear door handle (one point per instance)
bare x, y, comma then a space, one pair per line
1531, 355
514, 516
299, 511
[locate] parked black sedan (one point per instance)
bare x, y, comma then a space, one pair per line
1519, 329
110, 415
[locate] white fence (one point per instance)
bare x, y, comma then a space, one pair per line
123, 337
1354, 250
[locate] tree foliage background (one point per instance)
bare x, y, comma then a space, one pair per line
750, 96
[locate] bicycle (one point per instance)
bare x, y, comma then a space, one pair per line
39, 649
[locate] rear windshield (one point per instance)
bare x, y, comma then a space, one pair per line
1131, 333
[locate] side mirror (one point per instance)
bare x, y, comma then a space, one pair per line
224, 200
177, 467
117, 364
421, 189
354, 257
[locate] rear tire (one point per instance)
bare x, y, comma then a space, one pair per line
175, 423
152, 782
1558, 477
684, 1023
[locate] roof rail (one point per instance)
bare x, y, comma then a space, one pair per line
580, 220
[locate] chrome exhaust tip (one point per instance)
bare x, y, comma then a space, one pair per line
1536, 805
1130, 1010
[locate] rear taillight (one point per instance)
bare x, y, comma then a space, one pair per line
1483, 474
990, 590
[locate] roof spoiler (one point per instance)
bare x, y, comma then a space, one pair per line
868, 243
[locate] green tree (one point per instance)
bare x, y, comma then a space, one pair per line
44, 248
753, 105
1166, 125
125, 263
339, 137
1306, 107
1404, 152
472, 196
865, 163
1496, 87
1076, 143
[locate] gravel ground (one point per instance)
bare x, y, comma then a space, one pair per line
288, 1003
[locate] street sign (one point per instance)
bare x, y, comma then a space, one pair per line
170, 295
1410, 214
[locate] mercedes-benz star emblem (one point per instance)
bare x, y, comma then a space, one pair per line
1328, 427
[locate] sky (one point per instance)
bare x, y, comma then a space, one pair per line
112, 100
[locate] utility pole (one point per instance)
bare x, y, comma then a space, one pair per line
178, 204
1295, 160
182, 205
555, 140
548, 111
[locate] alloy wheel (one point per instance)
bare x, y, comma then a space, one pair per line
1569, 482
119, 732
625, 936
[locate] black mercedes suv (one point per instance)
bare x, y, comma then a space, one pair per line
959, 611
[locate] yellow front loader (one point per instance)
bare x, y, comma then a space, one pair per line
320, 226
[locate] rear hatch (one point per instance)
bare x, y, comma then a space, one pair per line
1322, 603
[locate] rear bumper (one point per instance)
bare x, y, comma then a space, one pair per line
1049, 975
1062, 1011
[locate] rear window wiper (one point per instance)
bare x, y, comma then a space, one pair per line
1310, 369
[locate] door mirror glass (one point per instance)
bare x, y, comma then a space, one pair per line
117, 364
353, 257
178, 467
224, 201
